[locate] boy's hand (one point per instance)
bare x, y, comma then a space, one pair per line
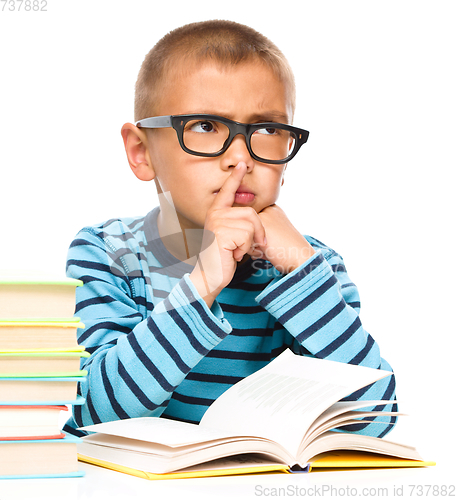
287, 249
229, 233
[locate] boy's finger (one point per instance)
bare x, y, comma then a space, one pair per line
238, 215
226, 195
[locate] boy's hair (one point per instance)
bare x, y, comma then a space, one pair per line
225, 42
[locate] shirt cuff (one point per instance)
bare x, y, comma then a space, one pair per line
209, 322
281, 293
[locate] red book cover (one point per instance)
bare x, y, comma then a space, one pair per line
32, 438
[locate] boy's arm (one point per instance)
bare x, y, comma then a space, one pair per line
319, 305
138, 357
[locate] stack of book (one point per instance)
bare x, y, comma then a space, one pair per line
39, 373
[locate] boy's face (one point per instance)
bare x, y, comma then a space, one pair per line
247, 93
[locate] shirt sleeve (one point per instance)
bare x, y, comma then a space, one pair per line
319, 306
138, 357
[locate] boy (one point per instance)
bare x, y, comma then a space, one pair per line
216, 282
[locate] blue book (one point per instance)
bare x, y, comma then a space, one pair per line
79, 400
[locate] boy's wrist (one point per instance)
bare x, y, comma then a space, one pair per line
201, 285
305, 254
287, 260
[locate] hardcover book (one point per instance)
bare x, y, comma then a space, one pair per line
43, 334
39, 458
283, 417
41, 363
31, 422
25, 298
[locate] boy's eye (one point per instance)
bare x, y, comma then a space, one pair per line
202, 126
268, 131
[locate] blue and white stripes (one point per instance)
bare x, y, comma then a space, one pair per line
157, 349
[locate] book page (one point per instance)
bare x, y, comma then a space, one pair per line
283, 399
156, 430
342, 407
344, 441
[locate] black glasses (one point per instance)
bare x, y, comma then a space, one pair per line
211, 135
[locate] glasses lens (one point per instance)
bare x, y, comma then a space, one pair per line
205, 136
273, 143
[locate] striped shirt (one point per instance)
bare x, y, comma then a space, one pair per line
158, 350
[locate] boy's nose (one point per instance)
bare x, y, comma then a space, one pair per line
236, 152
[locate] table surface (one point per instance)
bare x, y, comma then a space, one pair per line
99, 483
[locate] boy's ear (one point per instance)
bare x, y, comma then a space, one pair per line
136, 147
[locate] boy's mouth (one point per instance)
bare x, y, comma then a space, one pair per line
243, 195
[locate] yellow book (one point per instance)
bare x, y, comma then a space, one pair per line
342, 459
281, 418
252, 464
230, 466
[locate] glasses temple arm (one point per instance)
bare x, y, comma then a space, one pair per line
155, 122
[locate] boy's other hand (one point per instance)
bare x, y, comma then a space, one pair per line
287, 248
229, 233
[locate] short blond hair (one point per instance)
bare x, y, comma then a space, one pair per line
225, 42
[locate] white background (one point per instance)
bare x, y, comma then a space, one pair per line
376, 89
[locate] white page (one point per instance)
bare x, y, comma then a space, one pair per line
157, 430
282, 400
345, 406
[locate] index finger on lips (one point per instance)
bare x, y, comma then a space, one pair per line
226, 195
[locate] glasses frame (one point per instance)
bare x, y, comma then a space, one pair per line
178, 122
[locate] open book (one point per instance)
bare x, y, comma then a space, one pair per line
283, 414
